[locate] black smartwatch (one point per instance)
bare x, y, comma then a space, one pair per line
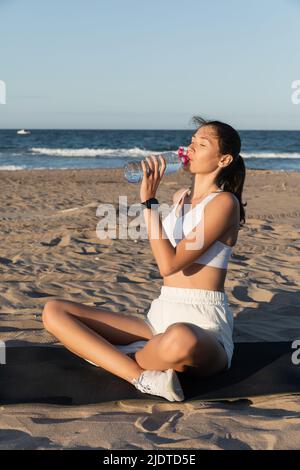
149, 202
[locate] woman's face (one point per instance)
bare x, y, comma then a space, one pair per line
203, 152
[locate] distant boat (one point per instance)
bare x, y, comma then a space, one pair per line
23, 132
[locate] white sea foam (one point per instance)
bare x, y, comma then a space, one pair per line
12, 167
15, 167
137, 152
90, 152
287, 155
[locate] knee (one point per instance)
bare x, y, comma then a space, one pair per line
178, 342
50, 313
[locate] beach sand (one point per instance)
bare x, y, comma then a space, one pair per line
49, 249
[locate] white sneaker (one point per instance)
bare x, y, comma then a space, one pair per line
162, 383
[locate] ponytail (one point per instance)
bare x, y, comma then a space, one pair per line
231, 179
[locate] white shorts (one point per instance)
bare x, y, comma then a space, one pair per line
206, 308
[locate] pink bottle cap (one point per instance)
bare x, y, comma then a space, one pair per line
182, 155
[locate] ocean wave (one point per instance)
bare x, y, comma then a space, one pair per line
93, 152
287, 155
137, 152
12, 167
15, 167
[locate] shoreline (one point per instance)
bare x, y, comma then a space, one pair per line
121, 168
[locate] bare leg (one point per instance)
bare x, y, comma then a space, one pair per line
159, 354
91, 334
88, 344
182, 347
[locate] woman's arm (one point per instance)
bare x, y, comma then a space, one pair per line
162, 249
219, 215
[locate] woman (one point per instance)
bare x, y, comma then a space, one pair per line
189, 326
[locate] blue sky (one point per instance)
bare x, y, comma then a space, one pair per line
128, 64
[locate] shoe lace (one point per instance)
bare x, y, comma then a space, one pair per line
144, 387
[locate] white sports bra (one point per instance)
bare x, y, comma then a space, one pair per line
218, 254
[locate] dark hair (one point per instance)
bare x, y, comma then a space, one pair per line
232, 177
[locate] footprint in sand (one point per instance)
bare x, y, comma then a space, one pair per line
89, 250
238, 261
154, 275
94, 240
241, 293
58, 241
130, 278
159, 422
5, 261
65, 240
267, 227
259, 294
18, 259
37, 295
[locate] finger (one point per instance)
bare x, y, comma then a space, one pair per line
148, 169
144, 168
150, 163
162, 166
155, 162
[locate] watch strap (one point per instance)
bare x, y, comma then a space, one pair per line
149, 202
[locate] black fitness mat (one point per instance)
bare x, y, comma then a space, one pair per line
51, 374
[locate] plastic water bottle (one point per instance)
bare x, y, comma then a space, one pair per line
133, 171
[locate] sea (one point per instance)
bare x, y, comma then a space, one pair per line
62, 149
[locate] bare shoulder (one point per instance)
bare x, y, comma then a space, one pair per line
177, 195
227, 198
234, 202
226, 201
227, 206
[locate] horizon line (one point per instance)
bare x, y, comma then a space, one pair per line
128, 129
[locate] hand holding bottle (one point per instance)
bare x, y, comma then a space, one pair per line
133, 171
151, 180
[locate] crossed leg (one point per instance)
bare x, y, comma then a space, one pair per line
184, 347
91, 333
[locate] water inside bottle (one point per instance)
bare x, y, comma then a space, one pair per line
172, 168
133, 171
